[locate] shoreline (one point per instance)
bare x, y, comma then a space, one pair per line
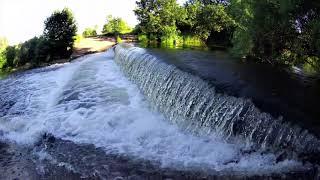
85, 47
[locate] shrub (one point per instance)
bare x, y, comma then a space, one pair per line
119, 40
27, 51
116, 25
10, 55
88, 32
192, 41
142, 38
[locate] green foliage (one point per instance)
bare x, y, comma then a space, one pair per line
56, 42
116, 26
3, 45
78, 38
311, 65
158, 19
192, 41
89, 32
10, 54
119, 40
242, 39
60, 30
277, 31
212, 18
286, 31
2, 59
168, 21
143, 38
169, 36
34, 51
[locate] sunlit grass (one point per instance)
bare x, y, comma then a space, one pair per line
92, 44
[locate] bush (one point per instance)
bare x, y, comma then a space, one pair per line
10, 55
34, 51
88, 32
116, 25
119, 40
142, 38
27, 51
60, 30
192, 41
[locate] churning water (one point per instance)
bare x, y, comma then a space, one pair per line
162, 115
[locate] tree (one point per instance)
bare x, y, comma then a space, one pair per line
159, 17
212, 18
34, 51
116, 26
273, 30
89, 32
242, 39
286, 31
10, 55
60, 30
165, 19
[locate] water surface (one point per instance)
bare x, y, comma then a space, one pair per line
284, 92
91, 109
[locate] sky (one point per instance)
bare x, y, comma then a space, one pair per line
21, 20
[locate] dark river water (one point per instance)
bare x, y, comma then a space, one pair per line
133, 113
280, 91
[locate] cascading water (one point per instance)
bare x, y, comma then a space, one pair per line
189, 101
90, 101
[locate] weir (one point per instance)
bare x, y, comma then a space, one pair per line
195, 106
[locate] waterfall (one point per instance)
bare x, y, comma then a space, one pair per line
194, 105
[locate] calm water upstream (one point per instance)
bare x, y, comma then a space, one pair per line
281, 92
155, 114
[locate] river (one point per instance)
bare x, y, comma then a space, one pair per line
135, 116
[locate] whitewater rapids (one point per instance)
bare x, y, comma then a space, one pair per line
91, 101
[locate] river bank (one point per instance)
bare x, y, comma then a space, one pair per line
83, 47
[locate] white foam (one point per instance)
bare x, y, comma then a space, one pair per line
92, 102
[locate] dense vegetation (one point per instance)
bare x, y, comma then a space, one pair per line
89, 32
56, 42
116, 26
279, 32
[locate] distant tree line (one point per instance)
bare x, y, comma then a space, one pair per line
56, 42
116, 26
284, 32
89, 32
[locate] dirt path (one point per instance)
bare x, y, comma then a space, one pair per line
92, 45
